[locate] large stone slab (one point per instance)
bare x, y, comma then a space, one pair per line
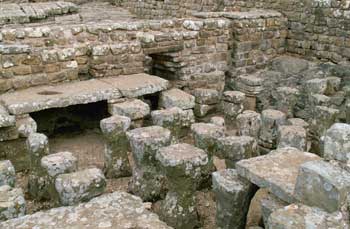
115, 210
276, 171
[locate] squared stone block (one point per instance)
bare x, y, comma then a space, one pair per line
177, 98
337, 142
134, 109
291, 136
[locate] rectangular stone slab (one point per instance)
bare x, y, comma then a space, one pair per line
115, 210
276, 171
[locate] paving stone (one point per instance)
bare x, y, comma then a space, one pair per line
301, 216
175, 119
12, 203
322, 184
134, 109
276, 171
236, 148
80, 186
114, 210
269, 204
206, 96
233, 195
147, 181
249, 123
116, 162
206, 135
177, 98
291, 136
184, 166
7, 173
337, 143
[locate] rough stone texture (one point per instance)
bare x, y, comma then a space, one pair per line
206, 96
217, 120
270, 121
115, 210
185, 166
235, 97
12, 203
291, 136
76, 187
337, 142
322, 184
202, 110
286, 98
177, 98
276, 171
134, 109
147, 181
301, 216
26, 126
59, 163
175, 119
269, 204
249, 123
38, 147
236, 148
233, 195
116, 162
7, 173
6, 120
206, 135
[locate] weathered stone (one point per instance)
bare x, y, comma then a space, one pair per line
147, 181
12, 203
249, 123
8, 133
322, 184
76, 187
298, 122
231, 110
59, 163
270, 121
285, 99
38, 147
6, 120
323, 119
289, 65
7, 173
217, 120
276, 171
236, 97
291, 136
301, 216
184, 166
316, 86
236, 148
114, 210
177, 98
134, 109
206, 135
337, 143
16, 152
202, 110
269, 204
206, 96
116, 146
26, 126
233, 195
175, 119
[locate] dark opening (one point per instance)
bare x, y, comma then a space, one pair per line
72, 119
164, 66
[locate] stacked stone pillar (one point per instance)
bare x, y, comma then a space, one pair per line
232, 104
251, 86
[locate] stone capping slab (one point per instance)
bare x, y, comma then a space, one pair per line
114, 210
81, 92
276, 171
253, 14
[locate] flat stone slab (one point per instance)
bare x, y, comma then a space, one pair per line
115, 210
276, 171
82, 92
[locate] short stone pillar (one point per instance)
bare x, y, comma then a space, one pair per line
184, 166
251, 86
337, 143
249, 124
7, 173
37, 147
292, 136
233, 195
116, 162
206, 101
270, 121
175, 119
236, 148
12, 203
285, 99
232, 104
176, 98
147, 181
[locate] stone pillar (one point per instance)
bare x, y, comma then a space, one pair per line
147, 181
184, 166
233, 196
291, 136
249, 124
251, 86
206, 101
232, 104
336, 143
116, 146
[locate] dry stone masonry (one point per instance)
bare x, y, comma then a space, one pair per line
175, 114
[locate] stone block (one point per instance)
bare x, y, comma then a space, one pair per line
12, 203
59, 163
337, 143
80, 186
285, 99
233, 195
291, 136
231, 110
176, 98
322, 184
206, 96
269, 204
217, 120
7, 173
249, 123
235, 97
116, 146
202, 110
26, 126
38, 147
8, 133
134, 109
270, 121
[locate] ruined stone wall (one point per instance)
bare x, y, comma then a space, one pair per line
317, 28
34, 56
